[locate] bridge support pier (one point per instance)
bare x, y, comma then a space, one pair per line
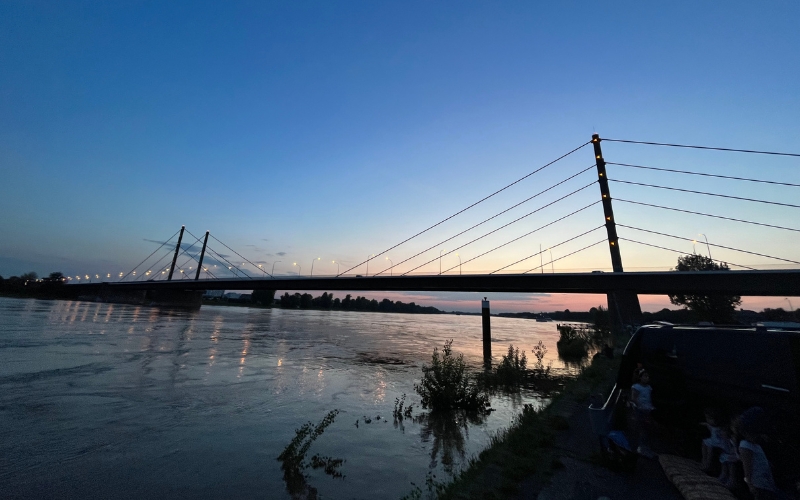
623, 309
487, 332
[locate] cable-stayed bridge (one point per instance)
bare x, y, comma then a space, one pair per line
748, 209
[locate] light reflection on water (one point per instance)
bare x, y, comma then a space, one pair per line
108, 400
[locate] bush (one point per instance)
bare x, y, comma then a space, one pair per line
446, 385
573, 342
294, 462
512, 370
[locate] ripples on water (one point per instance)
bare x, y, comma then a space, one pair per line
117, 401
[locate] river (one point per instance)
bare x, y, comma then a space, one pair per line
118, 401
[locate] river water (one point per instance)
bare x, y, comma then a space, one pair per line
118, 401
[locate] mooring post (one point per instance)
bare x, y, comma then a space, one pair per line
202, 254
175, 257
487, 332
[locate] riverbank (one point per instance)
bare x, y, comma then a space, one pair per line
522, 458
552, 454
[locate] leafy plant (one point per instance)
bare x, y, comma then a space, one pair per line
512, 370
573, 342
446, 385
294, 458
399, 412
539, 351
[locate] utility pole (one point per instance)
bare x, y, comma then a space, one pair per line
175, 257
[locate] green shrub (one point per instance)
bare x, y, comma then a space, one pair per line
573, 342
446, 385
512, 370
294, 462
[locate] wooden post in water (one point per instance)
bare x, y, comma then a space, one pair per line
487, 332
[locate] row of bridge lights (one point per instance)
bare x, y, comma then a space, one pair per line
108, 275
299, 268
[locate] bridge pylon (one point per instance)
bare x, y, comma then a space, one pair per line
175, 257
623, 305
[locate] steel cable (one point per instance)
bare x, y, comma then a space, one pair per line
467, 208
565, 256
680, 251
508, 224
240, 255
559, 244
702, 147
524, 235
704, 174
487, 220
154, 251
707, 194
708, 215
710, 244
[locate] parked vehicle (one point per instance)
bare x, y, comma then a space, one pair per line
731, 368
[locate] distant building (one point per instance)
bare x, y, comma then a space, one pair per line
213, 294
231, 295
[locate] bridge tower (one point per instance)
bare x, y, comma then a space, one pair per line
623, 305
175, 257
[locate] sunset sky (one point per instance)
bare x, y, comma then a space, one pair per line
334, 130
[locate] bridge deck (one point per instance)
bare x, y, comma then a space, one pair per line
753, 283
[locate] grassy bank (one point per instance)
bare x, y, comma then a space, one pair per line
525, 449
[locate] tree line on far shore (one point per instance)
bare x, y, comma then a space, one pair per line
328, 301
30, 285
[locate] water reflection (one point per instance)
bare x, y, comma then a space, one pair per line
165, 389
447, 433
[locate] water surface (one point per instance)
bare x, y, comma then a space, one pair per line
108, 400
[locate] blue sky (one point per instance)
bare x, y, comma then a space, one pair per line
336, 129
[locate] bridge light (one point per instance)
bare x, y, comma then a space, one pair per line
608, 218
601, 174
598, 157
605, 196
612, 243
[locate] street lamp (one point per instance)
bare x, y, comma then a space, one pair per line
298, 268
440, 259
707, 245
790, 303
553, 269
312, 266
390, 269
368, 258
541, 258
273, 267
459, 264
694, 248
337, 267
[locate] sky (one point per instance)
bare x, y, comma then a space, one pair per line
295, 131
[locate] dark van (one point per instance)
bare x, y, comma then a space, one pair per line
695, 367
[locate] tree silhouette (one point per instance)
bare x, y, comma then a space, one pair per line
714, 308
